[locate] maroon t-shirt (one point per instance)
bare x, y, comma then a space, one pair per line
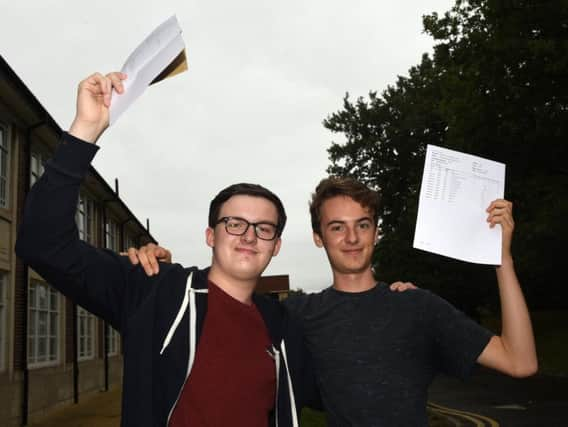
233, 379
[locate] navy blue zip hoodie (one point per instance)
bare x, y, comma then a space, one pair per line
159, 317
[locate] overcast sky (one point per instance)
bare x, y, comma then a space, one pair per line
263, 75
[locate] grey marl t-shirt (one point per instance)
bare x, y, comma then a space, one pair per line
376, 352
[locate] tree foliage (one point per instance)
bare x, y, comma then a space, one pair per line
496, 86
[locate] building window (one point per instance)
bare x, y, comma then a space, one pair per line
4, 166
111, 235
86, 333
86, 218
36, 168
112, 341
43, 323
130, 242
3, 286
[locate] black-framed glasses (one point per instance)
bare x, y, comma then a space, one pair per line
239, 226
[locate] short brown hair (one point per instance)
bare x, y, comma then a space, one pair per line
246, 189
342, 186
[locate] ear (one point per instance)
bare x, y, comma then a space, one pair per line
210, 237
277, 245
317, 240
377, 235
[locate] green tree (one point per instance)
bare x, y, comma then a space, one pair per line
496, 86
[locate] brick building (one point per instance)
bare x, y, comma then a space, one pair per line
51, 351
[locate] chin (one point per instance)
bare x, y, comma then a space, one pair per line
351, 268
247, 273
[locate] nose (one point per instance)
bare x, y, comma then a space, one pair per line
249, 235
351, 235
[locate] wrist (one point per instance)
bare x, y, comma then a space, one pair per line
506, 261
85, 131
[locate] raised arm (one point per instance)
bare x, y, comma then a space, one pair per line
47, 237
513, 352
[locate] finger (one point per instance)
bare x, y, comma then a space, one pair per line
168, 257
133, 255
500, 203
163, 254
145, 262
410, 285
151, 252
394, 286
502, 216
152, 258
116, 79
406, 286
505, 221
99, 85
496, 212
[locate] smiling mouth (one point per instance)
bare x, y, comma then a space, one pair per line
246, 251
352, 251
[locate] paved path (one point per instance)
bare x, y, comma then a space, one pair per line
530, 402
488, 400
101, 409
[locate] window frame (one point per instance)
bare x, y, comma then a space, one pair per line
4, 281
112, 235
85, 218
85, 336
52, 327
5, 169
37, 159
113, 339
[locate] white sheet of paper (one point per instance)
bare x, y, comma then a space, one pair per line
152, 56
456, 189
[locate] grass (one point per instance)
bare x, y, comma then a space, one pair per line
311, 418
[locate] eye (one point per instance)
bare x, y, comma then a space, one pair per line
265, 228
337, 228
365, 225
235, 224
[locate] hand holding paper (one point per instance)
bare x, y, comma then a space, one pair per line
456, 190
93, 101
159, 56
501, 212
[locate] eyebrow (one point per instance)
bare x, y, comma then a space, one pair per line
338, 221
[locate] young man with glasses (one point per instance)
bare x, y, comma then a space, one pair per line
246, 360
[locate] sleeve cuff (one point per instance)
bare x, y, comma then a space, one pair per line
73, 156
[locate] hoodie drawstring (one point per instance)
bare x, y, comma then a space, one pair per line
179, 315
188, 299
276, 356
192, 326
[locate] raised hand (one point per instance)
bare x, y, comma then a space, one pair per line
500, 212
93, 102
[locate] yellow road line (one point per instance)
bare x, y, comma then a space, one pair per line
475, 421
479, 420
